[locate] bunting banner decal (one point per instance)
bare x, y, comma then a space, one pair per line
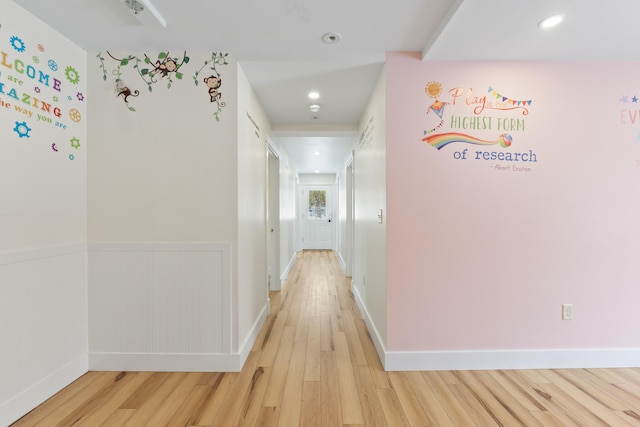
506, 99
429, 132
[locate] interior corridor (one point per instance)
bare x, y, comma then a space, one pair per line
314, 364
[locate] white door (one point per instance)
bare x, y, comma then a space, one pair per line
317, 217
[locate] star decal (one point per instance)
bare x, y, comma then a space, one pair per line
634, 99
624, 99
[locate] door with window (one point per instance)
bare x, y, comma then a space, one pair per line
317, 217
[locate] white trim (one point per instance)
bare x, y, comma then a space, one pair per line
512, 359
495, 359
16, 407
224, 248
179, 362
246, 346
373, 331
288, 268
31, 254
342, 263
159, 246
165, 362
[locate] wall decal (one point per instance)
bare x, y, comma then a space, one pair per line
165, 68
214, 81
22, 130
17, 44
121, 89
464, 112
630, 116
72, 75
38, 94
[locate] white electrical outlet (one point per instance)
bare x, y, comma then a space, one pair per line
567, 311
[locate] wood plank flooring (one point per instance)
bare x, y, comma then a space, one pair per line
314, 365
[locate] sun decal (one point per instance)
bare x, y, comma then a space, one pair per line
433, 89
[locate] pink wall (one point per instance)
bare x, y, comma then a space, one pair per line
481, 255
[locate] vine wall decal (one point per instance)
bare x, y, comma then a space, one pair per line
165, 68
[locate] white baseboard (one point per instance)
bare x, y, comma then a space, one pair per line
373, 331
343, 264
247, 345
21, 404
165, 362
179, 362
511, 359
287, 270
496, 359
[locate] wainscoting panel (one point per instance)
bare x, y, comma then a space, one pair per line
160, 306
43, 325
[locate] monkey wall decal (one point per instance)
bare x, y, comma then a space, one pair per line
125, 92
213, 83
169, 65
166, 70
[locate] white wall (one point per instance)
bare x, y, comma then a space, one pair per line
164, 245
369, 259
252, 286
167, 171
43, 266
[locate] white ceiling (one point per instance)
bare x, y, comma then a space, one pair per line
279, 46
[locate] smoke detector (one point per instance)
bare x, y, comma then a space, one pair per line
331, 38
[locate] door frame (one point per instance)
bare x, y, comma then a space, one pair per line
273, 218
302, 206
350, 215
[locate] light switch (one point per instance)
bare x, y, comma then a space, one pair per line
379, 216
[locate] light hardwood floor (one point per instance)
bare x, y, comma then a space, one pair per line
314, 364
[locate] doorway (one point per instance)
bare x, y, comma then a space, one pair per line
273, 220
350, 218
317, 223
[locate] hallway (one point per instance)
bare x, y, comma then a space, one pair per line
314, 364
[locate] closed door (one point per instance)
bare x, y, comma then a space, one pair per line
317, 217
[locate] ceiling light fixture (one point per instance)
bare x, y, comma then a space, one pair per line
317, 171
314, 95
331, 38
145, 12
135, 6
549, 22
316, 153
314, 108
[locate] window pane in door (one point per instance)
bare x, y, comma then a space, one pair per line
317, 204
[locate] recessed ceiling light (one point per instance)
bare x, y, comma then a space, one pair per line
314, 108
549, 22
316, 153
331, 38
317, 171
314, 95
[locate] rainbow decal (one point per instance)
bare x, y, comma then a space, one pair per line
442, 139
